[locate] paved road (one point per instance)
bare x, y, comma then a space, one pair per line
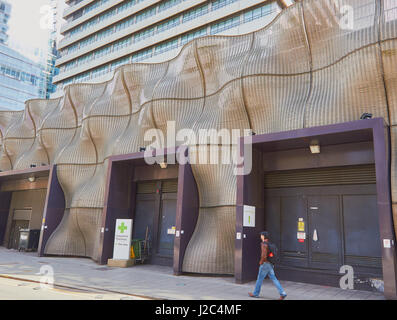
11, 289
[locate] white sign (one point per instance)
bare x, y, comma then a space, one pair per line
249, 216
171, 230
122, 239
301, 235
387, 243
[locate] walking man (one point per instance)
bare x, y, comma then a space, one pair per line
266, 268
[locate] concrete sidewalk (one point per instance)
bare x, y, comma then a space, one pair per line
159, 282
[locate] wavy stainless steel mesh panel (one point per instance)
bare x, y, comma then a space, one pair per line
309, 67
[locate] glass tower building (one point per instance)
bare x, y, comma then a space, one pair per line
20, 79
5, 10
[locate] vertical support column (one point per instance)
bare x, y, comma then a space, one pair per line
186, 214
117, 204
382, 151
5, 201
53, 210
250, 191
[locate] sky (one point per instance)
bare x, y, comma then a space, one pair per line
29, 24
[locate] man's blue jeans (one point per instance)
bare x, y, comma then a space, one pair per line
264, 270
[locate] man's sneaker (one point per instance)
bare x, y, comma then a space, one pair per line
282, 297
252, 295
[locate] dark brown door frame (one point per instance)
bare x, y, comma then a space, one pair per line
120, 204
54, 209
348, 132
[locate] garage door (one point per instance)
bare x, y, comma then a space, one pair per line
335, 208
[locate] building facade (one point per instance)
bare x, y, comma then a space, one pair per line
312, 102
20, 79
5, 11
101, 35
52, 54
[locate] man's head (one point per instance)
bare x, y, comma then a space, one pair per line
264, 235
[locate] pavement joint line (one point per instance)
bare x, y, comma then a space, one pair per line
83, 287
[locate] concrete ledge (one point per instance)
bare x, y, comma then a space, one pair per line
121, 263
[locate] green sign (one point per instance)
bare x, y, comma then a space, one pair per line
122, 227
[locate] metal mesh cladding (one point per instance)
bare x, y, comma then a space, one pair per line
308, 67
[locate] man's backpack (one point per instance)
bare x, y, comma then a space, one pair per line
272, 255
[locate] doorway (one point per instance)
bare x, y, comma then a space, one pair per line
155, 218
324, 218
26, 211
353, 143
172, 195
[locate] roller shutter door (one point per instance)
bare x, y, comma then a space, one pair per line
348, 175
170, 186
146, 187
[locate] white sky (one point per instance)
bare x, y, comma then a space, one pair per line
24, 24
29, 23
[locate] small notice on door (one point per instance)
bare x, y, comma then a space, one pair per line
171, 231
301, 236
301, 226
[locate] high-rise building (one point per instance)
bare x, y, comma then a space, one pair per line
20, 79
5, 10
101, 35
313, 168
52, 54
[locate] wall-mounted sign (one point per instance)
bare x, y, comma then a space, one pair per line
301, 236
122, 239
301, 226
171, 230
248, 216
